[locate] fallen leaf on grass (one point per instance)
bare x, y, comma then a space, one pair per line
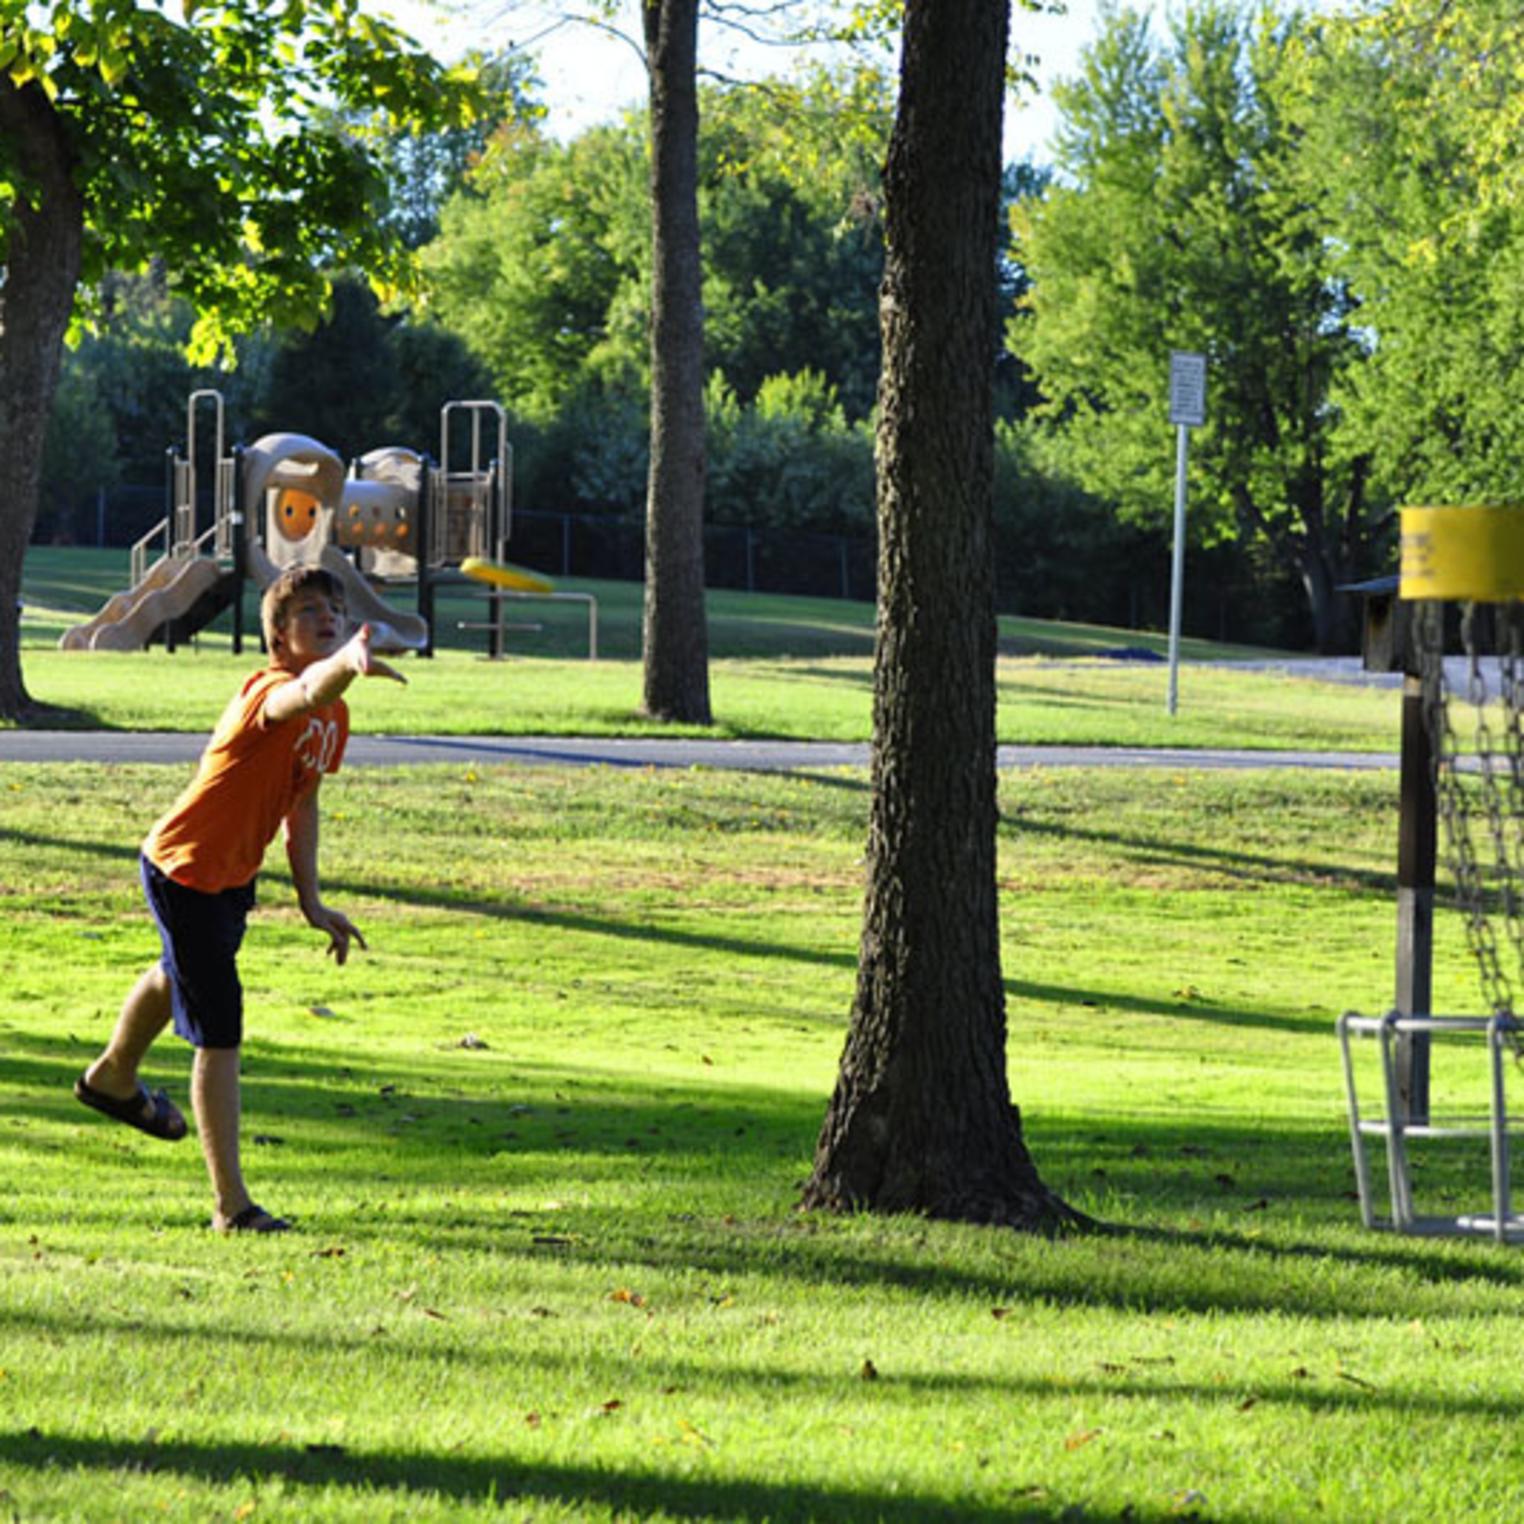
1080, 1440
532, 1419
634, 1298
613, 1405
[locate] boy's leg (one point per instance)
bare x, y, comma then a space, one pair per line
215, 1096
145, 1013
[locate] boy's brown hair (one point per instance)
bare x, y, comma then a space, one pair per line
278, 596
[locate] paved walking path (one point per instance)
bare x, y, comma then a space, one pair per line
755, 756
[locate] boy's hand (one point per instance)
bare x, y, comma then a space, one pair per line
365, 662
339, 929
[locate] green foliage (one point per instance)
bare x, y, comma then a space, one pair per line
1412, 119
790, 202
1182, 217
424, 169
543, 260
539, 265
80, 455
364, 379
201, 139
790, 460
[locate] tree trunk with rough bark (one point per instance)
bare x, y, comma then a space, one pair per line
41, 268
675, 631
921, 1119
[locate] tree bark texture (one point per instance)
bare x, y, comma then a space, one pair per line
921, 1119
41, 260
675, 632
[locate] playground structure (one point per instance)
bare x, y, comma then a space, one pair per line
392, 517
1474, 557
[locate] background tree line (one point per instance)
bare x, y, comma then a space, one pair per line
1324, 207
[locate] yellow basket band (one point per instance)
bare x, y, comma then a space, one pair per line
1463, 554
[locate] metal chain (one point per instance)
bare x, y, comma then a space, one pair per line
1499, 814
1511, 682
1453, 802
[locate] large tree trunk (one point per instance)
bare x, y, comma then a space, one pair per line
41, 269
921, 1119
675, 636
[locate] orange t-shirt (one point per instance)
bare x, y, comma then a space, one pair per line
250, 777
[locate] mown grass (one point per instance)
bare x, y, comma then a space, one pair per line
794, 668
544, 1144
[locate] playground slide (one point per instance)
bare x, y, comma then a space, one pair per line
117, 606
168, 589
391, 630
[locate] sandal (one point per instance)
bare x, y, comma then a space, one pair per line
253, 1219
149, 1111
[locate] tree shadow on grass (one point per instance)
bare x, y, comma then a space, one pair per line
1171, 1191
496, 1483
39, 715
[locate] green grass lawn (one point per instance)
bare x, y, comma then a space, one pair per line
544, 1144
785, 667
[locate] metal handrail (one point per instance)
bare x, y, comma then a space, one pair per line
138, 563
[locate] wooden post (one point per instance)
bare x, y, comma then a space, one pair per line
1388, 637
1416, 835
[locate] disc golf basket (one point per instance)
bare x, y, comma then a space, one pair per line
1462, 780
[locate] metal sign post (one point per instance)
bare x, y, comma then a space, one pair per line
1187, 411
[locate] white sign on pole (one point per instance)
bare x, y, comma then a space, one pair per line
1187, 411
1187, 388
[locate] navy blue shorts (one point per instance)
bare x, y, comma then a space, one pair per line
201, 934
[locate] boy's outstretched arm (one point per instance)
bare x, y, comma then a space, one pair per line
302, 853
325, 680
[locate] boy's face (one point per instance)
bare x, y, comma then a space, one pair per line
315, 627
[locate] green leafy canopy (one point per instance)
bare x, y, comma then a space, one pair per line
204, 137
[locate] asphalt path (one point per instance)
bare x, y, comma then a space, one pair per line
117, 746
